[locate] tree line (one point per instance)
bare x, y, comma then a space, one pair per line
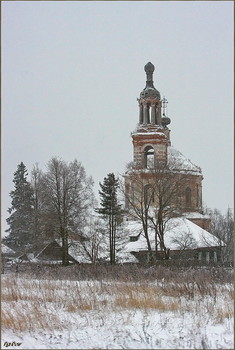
59, 203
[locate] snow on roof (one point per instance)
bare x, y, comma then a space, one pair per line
177, 230
148, 133
149, 129
77, 252
196, 215
180, 162
126, 257
7, 250
133, 227
178, 226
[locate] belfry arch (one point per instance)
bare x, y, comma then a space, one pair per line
149, 157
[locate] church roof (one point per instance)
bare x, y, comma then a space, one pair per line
180, 163
178, 231
195, 215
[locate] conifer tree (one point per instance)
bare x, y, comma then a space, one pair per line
21, 210
110, 210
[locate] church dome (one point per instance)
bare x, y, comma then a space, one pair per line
149, 68
149, 91
165, 121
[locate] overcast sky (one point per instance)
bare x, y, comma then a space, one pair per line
72, 71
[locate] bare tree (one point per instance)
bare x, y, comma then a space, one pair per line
138, 203
153, 197
94, 244
167, 189
69, 197
183, 242
222, 227
39, 218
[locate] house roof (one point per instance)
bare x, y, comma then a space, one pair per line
7, 251
52, 251
177, 231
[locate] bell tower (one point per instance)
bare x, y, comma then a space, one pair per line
154, 159
152, 136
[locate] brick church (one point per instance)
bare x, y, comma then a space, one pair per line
152, 149
162, 177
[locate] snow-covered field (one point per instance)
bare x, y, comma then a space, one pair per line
112, 314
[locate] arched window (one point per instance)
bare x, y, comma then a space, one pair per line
127, 194
188, 197
148, 194
149, 157
199, 200
197, 191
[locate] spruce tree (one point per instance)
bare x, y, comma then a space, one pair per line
110, 210
21, 210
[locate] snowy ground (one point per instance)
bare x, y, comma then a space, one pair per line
64, 314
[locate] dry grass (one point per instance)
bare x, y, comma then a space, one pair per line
170, 271
85, 306
145, 302
28, 318
25, 302
222, 314
142, 296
